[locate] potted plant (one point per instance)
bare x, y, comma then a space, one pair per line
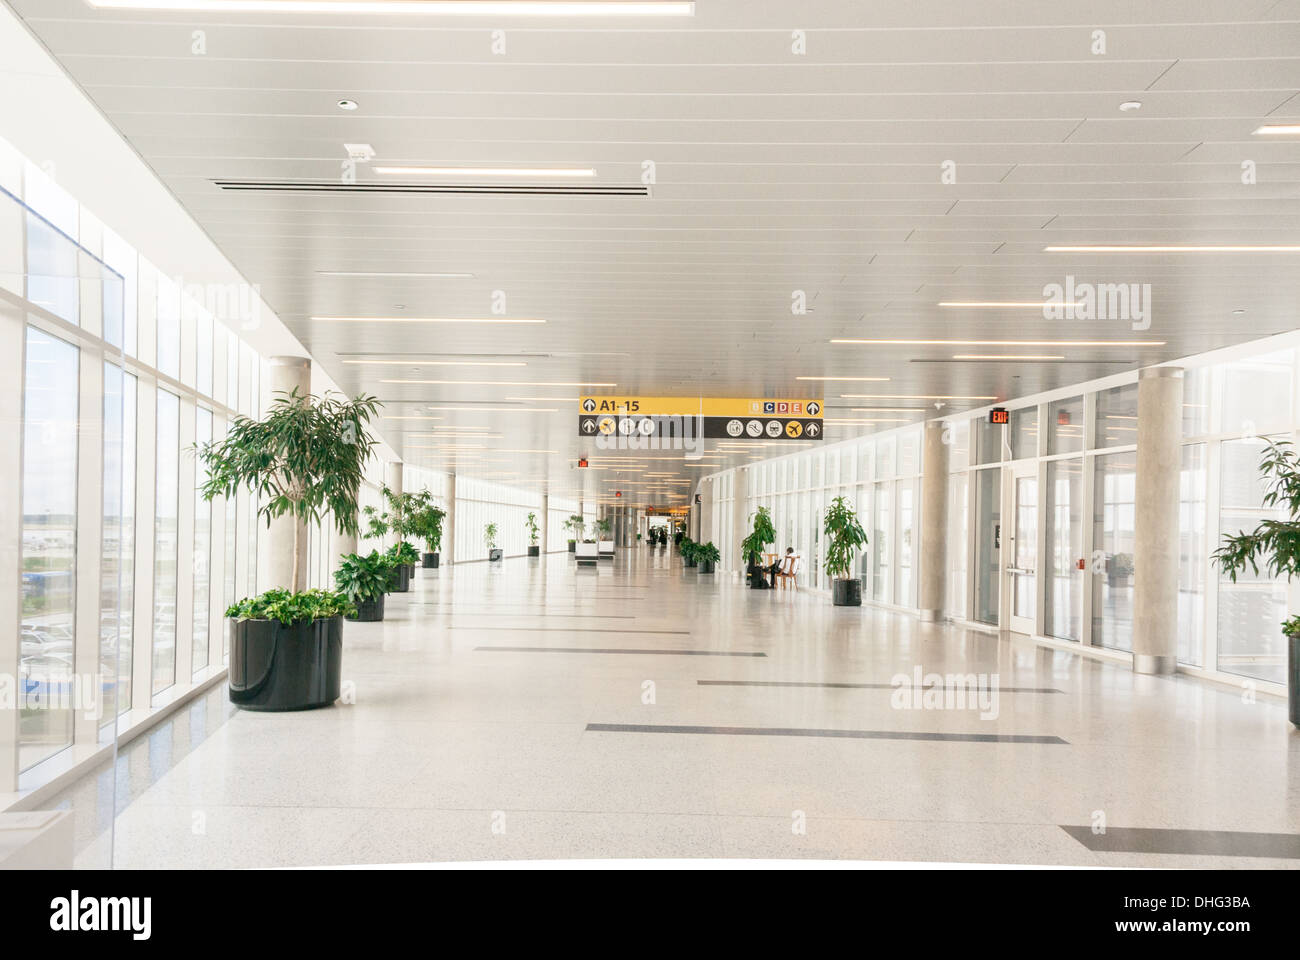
687, 547
604, 548
575, 524
533, 530
402, 556
304, 459
844, 539
1277, 544
286, 649
403, 508
708, 556
751, 548
364, 581
426, 524
490, 538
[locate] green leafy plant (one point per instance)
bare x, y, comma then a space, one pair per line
364, 578
576, 524
290, 607
533, 529
377, 525
844, 538
1273, 543
402, 554
759, 537
490, 536
708, 553
426, 521
305, 458
688, 548
603, 526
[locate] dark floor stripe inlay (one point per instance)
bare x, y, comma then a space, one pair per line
1204, 843
675, 633
846, 686
671, 653
841, 734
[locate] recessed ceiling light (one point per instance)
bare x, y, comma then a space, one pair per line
1237, 313
545, 399
1278, 130
847, 379
903, 396
347, 104
444, 8
507, 383
430, 319
1006, 304
1130, 105
878, 420
387, 273
1169, 248
488, 171
499, 409
1010, 343
440, 363
1008, 356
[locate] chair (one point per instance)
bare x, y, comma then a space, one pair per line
791, 567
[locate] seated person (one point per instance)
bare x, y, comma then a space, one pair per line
776, 568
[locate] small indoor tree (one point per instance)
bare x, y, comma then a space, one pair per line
305, 458
844, 539
490, 536
751, 548
530, 524
426, 523
1275, 544
576, 524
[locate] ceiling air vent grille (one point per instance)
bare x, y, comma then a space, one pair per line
460, 189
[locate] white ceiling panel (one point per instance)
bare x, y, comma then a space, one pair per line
774, 171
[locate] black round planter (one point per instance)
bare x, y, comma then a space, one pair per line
399, 580
706, 566
573, 546
369, 611
410, 571
429, 561
758, 579
274, 667
535, 551
691, 562
494, 555
846, 593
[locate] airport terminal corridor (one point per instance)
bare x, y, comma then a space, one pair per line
503, 712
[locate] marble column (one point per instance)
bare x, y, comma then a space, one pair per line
740, 525
934, 523
1155, 555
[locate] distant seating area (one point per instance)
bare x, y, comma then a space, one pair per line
788, 573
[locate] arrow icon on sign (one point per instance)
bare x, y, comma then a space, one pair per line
589, 405
588, 426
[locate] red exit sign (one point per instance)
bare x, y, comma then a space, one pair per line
582, 462
999, 415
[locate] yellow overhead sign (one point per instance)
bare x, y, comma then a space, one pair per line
701, 406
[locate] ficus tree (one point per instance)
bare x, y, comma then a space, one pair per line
844, 538
1273, 544
305, 459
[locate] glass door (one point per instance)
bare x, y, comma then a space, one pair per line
1022, 557
988, 544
